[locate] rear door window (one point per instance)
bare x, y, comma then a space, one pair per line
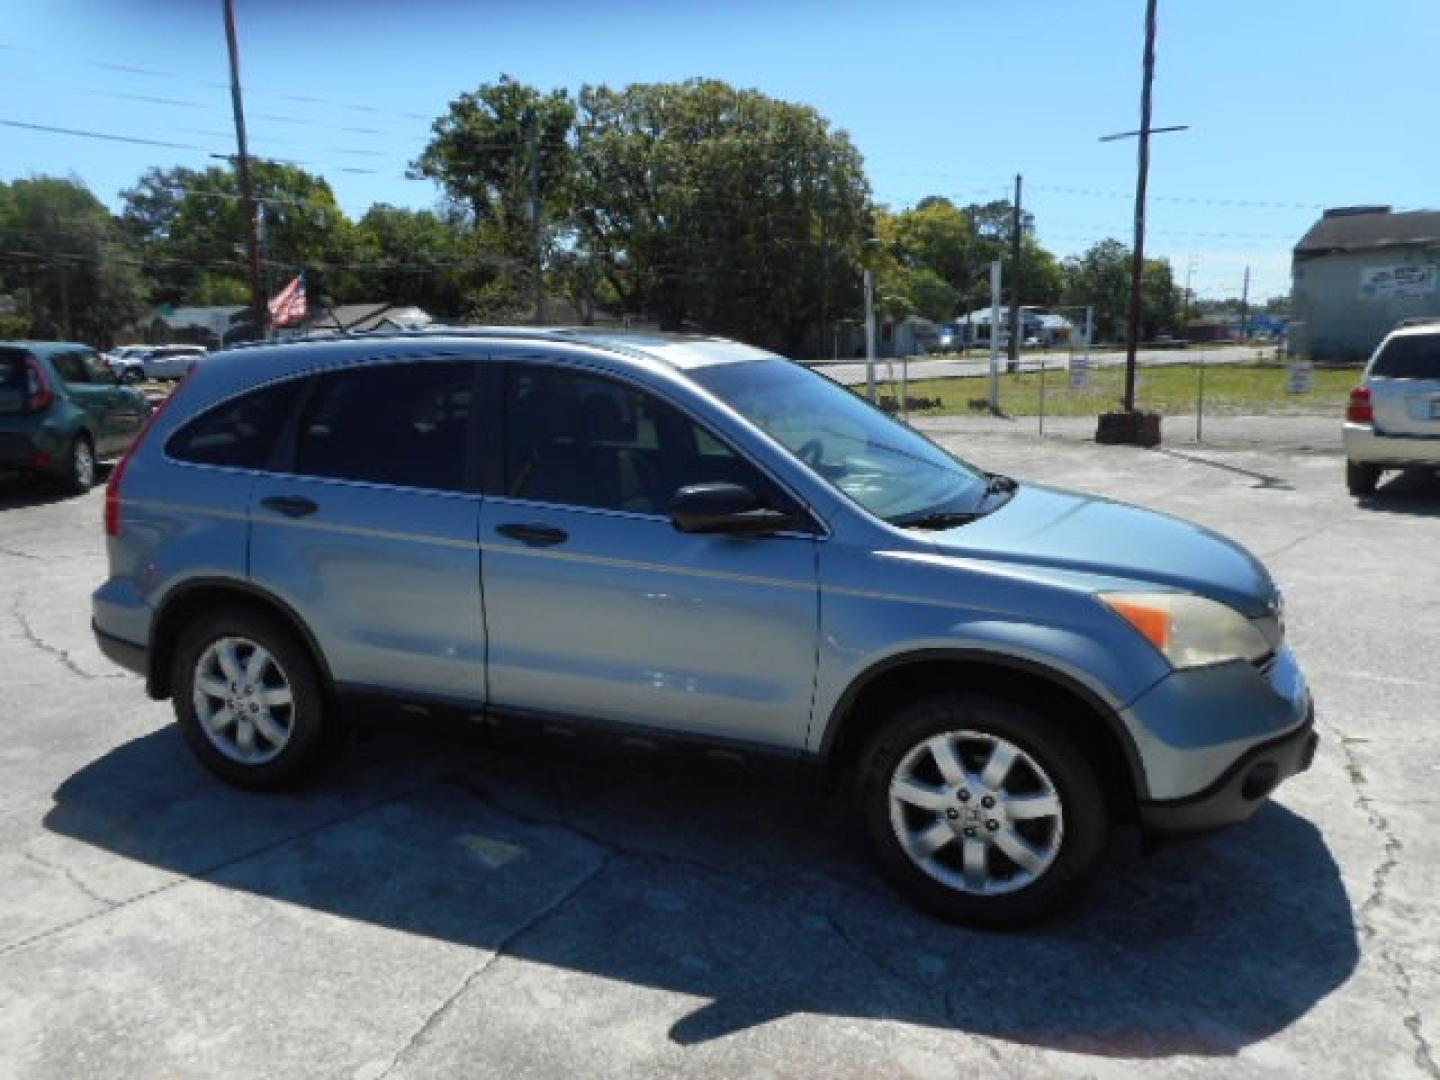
240, 433
72, 368
405, 425
1415, 356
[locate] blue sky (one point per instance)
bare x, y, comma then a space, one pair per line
1293, 104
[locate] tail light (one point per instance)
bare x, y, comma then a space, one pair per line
117, 474
1360, 410
38, 391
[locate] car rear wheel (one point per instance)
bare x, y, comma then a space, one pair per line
79, 474
1361, 479
249, 699
981, 811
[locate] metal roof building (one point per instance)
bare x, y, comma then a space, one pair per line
1358, 272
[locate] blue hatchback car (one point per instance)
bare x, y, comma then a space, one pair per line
686, 544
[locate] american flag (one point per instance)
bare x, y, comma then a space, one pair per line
288, 305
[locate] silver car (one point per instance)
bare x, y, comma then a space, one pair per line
682, 545
1393, 417
172, 361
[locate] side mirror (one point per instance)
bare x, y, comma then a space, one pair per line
724, 508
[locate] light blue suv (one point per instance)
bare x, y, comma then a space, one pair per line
681, 544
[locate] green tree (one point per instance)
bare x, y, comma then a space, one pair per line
941, 237
422, 258
492, 153
66, 260
721, 208
191, 229
1101, 276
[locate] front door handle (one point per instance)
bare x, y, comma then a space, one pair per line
533, 535
290, 505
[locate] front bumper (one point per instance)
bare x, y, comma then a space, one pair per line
1365, 447
1239, 791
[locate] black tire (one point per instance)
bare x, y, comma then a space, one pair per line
1085, 818
309, 743
1361, 479
79, 476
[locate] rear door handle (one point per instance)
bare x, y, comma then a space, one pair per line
290, 505
533, 535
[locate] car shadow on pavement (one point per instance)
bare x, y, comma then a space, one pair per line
1412, 491
754, 899
20, 492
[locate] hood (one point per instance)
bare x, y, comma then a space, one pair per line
1043, 526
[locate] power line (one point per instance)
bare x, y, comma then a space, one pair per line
76, 132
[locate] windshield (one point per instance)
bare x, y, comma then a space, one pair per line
884, 466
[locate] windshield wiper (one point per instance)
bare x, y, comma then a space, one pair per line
939, 519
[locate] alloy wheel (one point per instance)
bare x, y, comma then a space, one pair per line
976, 812
83, 459
243, 700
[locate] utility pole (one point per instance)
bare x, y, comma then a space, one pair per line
1014, 364
824, 253
1245, 308
1142, 180
536, 219
247, 190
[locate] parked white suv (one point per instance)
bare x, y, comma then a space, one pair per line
172, 361
1393, 418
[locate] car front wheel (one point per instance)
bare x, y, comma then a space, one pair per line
981, 811
249, 699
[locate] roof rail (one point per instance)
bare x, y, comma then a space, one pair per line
1418, 320
409, 332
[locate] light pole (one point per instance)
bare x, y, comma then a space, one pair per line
870, 334
870, 244
995, 337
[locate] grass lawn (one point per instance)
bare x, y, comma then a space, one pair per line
1171, 390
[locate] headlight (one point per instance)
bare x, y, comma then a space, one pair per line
1189, 630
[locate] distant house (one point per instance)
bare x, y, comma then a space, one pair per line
1358, 272
911, 336
213, 327
1045, 326
1202, 331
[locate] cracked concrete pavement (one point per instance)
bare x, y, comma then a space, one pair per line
436, 907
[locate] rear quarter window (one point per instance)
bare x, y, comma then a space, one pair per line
1415, 356
241, 433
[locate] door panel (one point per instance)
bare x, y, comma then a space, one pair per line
598, 607
371, 534
79, 372
388, 580
126, 415
628, 619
